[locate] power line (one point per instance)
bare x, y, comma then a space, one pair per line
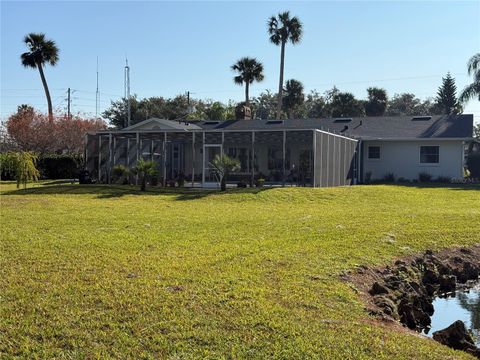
347, 83
37, 89
62, 89
305, 85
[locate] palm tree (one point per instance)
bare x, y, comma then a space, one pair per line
249, 70
41, 52
283, 29
473, 90
145, 169
294, 96
223, 165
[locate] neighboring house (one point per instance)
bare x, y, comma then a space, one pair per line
307, 152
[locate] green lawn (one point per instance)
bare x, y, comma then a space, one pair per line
108, 272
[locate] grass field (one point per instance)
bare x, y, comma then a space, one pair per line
108, 272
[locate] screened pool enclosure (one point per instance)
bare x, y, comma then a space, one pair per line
286, 157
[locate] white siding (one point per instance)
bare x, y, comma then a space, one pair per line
402, 158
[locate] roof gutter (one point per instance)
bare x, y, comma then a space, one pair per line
419, 139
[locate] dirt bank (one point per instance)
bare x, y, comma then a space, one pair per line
403, 292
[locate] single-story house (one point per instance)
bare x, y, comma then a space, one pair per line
306, 152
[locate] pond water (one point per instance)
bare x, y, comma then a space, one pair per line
463, 305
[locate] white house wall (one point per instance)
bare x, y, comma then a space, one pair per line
402, 158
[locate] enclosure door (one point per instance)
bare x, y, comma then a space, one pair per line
175, 160
210, 178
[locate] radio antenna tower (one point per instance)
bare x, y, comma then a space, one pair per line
97, 96
127, 90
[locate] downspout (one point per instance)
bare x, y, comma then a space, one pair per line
193, 159
284, 156
253, 159
314, 158
86, 152
109, 171
164, 166
99, 157
203, 159
360, 161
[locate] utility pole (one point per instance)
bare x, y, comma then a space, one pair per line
127, 91
97, 97
68, 103
190, 109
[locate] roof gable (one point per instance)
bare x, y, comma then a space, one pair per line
160, 124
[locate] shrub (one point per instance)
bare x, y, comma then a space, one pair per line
20, 165
59, 166
402, 180
389, 178
368, 177
424, 177
7, 171
120, 174
443, 179
473, 164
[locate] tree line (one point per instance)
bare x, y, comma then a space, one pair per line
295, 104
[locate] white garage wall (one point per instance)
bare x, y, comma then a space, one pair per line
402, 158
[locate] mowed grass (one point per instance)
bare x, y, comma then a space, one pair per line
109, 272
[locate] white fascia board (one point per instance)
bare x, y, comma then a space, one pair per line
334, 134
418, 139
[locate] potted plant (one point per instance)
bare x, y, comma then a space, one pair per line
260, 182
181, 179
242, 184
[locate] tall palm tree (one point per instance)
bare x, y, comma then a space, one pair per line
283, 29
473, 90
249, 70
41, 51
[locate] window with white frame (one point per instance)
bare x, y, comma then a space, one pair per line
429, 154
374, 152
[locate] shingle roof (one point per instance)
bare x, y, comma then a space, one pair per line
381, 127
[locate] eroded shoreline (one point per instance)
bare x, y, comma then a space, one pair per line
403, 292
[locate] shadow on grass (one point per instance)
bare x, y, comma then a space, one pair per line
117, 191
182, 194
432, 185
59, 182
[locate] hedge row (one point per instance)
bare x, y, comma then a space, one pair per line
55, 167
60, 166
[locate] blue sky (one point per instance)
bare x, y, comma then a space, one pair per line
173, 47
